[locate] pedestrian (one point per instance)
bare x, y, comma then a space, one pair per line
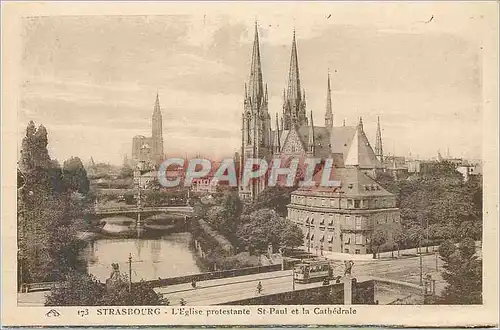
193, 284
259, 287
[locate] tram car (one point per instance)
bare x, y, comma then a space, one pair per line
313, 271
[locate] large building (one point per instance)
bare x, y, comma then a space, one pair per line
150, 149
342, 219
295, 135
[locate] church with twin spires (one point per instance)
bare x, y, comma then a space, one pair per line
294, 134
332, 219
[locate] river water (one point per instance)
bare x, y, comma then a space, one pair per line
166, 256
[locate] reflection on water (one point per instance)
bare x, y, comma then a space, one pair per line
167, 256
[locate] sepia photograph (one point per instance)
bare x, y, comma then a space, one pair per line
312, 161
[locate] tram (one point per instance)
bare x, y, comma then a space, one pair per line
313, 270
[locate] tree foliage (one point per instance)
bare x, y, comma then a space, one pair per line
274, 198
437, 205
264, 227
85, 290
462, 272
50, 202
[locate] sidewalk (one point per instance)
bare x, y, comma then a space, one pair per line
380, 257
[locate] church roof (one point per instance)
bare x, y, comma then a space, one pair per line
321, 140
353, 182
360, 152
351, 147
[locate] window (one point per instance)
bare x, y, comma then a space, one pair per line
330, 249
322, 222
346, 250
358, 223
330, 238
322, 239
330, 222
359, 239
357, 251
323, 202
348, 220
357, 204
332, 202
349, 203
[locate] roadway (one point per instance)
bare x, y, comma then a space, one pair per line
212, 292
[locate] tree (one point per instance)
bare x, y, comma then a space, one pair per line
462, 272
378, 238
126, 172
225, 214
75, 175
399, 238
290, 235
47, 213
264, 227
416, 235
85, 290
274, 198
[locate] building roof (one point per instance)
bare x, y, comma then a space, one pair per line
352, 182
360, 152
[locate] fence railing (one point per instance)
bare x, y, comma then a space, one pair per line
33, 287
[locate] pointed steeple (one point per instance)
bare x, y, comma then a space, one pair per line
378, 142
293, 93
311, 134
255, 84
157, 109
328, 112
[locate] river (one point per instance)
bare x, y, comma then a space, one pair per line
166, 256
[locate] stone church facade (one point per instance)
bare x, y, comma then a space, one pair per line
336, 219
294, 134
149, 150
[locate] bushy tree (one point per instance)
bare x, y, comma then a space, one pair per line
47, 212
75, 175
85, 290
274, 198
377, 239
264, 227
462, 272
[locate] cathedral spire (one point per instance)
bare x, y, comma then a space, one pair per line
293, 94
329, 112
378, 143
157, 109
255, 84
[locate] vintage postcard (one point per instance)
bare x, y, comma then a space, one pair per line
239, 163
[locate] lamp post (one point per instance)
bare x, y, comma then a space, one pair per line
130, 273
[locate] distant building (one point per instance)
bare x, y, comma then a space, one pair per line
150, 149
342, 219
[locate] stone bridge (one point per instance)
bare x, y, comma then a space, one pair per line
132, 212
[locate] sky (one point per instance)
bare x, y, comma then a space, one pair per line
92, 80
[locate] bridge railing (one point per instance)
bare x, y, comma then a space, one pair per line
213, 275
